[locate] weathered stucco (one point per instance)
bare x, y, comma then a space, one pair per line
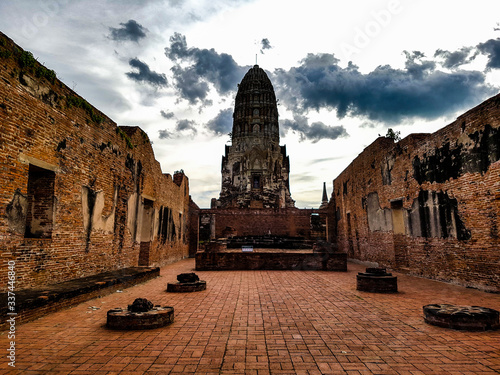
93, 203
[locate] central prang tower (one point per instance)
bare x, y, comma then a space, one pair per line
255, 168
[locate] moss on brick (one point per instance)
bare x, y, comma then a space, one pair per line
78, 102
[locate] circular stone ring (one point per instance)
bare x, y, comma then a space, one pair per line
469, 318
155, 318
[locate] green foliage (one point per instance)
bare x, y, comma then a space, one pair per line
125, 137
4, 52
29, 64
394, 135
145, 137
43, 72
26, 60
76, 101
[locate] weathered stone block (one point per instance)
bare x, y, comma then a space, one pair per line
376, 280
187, 282
187, 287
190, 277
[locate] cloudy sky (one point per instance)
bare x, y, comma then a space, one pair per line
343, 71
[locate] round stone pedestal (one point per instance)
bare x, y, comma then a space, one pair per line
187, 287
128, 320
376, 280
469, 318
187, 282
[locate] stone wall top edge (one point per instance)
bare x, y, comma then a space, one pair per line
57, 86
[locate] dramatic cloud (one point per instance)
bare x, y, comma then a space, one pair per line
491, 48
164, 134
129, 31
265, 45
182, 126
416, 66
167, 115
314, 132
145, 74
201, 67
189, 84
455, 59
385, 94
186, 125
222, 123
178, 47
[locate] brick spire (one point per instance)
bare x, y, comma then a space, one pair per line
324, 199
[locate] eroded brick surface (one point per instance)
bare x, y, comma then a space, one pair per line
428, 204
217, 223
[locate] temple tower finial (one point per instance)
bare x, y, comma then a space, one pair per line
324, 199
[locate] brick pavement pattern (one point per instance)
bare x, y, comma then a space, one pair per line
264, 322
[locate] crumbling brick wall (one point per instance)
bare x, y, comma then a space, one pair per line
293, 222
430, 203
78, 194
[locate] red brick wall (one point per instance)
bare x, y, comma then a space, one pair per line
258, 222
446, 188
100, 170
294, 260
194, 226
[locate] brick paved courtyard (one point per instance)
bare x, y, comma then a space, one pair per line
264, 322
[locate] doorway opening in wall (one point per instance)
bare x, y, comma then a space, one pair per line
398, 224
318, 226
315, 222
256, 181
146, 232
401, 256
40, 211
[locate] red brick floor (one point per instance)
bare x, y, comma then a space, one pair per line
264, 322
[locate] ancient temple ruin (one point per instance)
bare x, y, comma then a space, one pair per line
255, 168
82, 196
255, 199
79, 195
255, 209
